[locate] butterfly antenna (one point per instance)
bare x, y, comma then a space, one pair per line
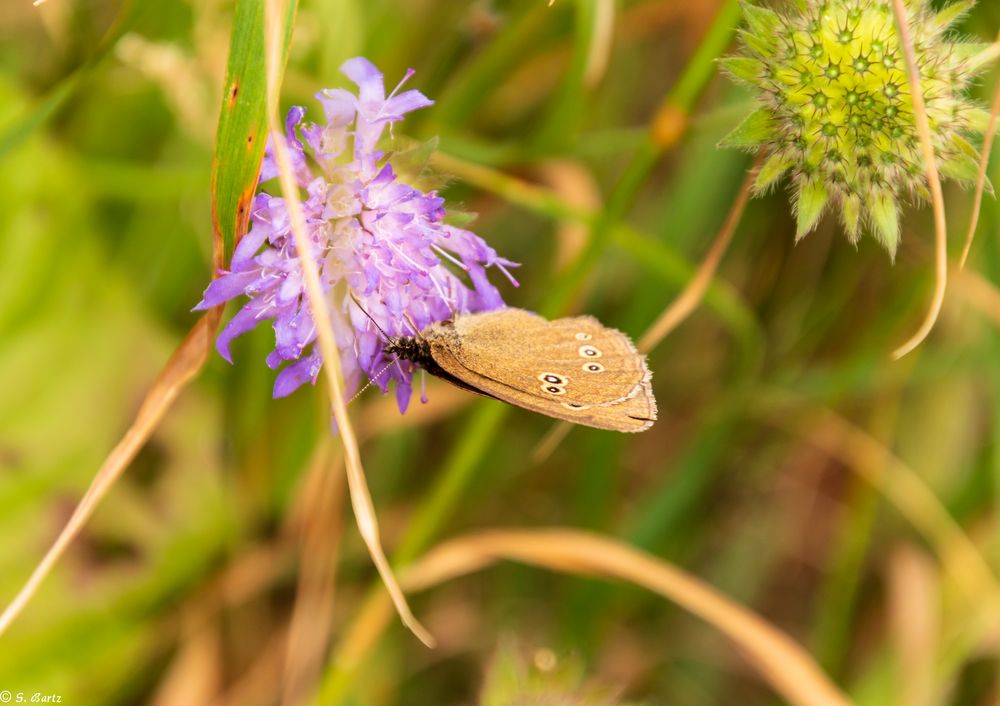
372, 379
372, 319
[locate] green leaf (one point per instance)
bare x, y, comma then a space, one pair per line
813, 197
743, 68
885, 217
963, 146
976, 55
850, 215
242, 131
760, 20
962, 163
951, 14
764, 46
961, 167
977, 117
752, 132
772, 170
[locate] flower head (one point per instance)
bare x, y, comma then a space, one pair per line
836, 113
384, 254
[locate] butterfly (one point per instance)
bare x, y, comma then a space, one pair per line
572, 368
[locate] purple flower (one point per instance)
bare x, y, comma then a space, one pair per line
374, 239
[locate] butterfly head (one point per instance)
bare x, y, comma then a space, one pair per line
408, 348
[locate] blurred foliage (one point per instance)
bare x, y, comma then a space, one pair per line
545, 682
183, 586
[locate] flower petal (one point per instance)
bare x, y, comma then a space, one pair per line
404, 390
368, 79
245, 320
297, 374
226, 287
398, 106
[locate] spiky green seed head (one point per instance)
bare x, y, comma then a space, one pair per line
836, 113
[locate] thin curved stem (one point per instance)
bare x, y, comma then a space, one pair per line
687, 301
933, 182
783, 663
984, 161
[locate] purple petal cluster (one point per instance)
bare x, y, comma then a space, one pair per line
375, 241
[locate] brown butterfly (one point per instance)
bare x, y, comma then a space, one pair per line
574, 368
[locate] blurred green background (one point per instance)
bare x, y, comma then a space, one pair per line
182, 588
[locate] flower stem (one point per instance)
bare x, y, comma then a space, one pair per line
933, 181
984, 160
681, 307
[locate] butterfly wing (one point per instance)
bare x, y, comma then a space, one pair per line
572, 368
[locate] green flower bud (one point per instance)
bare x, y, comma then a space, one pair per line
836, 114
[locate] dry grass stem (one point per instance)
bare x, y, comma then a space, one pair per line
933, 181
367, 624
319, 521
183, 365
556, 434
914, 606
779, 659
260, 684
364, 510
195, 672
984, 161
255, 570
688, 300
